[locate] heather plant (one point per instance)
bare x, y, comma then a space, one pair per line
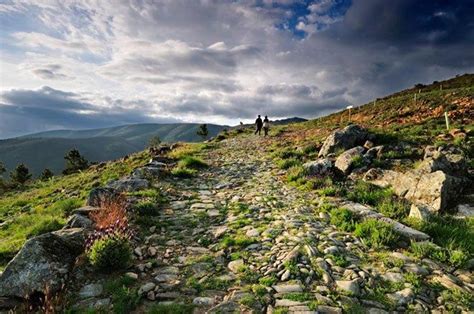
111, 250
109, 247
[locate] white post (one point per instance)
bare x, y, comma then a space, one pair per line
415, 99
447, 120
349, 107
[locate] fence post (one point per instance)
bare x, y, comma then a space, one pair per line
447, 120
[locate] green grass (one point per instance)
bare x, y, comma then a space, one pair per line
448, 231
183, 172
124, 296
288, 163
191, 162
298, 296
44, 205
383, 199
237, 241
343, 219
376, 234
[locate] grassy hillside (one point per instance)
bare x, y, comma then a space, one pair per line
400, 115
44, 206
47, 149
40, 153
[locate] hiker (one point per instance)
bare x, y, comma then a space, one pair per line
259, 125
266, 126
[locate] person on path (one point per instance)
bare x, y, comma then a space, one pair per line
259, 124
266, 126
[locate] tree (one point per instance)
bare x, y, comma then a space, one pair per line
154, 142
74, 162
20, 175
46, 175
2, 168
202, 131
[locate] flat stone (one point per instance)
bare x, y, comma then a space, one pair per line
166, 277
203, 301
286, 275
325, 309
234, 266
286, 302
287, 288
146, 287
131, 275
252, 233
401, 297
351, 286
91, 290
393, 277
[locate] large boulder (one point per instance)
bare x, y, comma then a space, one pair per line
150, 170
318, 167
449, 162
129, 184
42, 263
99, 196
400, 183
436, 190
346, 138
346, 160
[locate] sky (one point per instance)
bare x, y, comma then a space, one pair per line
99, 63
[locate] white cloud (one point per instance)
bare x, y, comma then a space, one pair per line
219, 60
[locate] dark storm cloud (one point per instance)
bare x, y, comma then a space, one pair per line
27, 111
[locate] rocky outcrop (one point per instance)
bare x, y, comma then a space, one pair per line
344, 139
152, 169
346, 160
450, 163
129, 184
435, 190
318, 167
43, 263
99, 196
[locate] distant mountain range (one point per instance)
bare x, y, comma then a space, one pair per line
47, 149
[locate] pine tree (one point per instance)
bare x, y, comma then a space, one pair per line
46, 175
154, 142
2, 168
202, 131
74, 162
20, 175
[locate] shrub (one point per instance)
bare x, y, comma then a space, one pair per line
369, 194
191, 163
110, 252
146, 208
311, 148
112, 213
288, 163
396, 209
295, 173
458, 258
343, 219
376, 233
183, 172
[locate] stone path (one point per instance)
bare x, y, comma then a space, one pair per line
236, 238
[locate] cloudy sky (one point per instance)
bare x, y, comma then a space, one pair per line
88, 64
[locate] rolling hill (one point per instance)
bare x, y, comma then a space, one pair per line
47, 149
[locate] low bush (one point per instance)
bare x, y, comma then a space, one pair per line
375, 233
110, 252
343, 219
454, 257
191, 162
368, 194
146, 208
288, 163
183, 172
